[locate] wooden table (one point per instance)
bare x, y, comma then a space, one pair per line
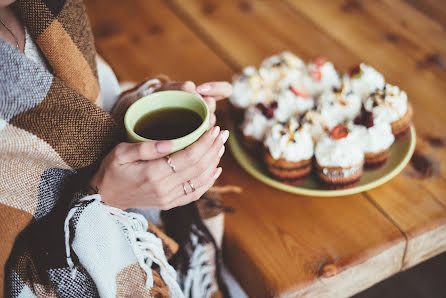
279, 244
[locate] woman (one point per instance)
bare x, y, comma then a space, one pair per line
67, 175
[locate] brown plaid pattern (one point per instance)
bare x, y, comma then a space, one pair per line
52, 136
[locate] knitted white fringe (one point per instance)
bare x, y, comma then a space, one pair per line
148, 248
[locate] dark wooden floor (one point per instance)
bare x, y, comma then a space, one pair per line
427, 280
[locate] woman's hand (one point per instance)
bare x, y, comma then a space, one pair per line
211, 92
138, 175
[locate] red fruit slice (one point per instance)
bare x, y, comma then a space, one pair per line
319, 61
300, 92
316, 74
339, 132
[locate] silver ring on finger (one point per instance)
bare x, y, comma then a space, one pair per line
191, 185
184, 189
171, 165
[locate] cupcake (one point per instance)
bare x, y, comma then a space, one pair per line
375, 138
339, 159
323, 76
339, 105
256, 122
248, 89
289, 152
275, 68
365, 80
390, 105
318, 126
292, 101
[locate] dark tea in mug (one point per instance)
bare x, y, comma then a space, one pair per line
168, 124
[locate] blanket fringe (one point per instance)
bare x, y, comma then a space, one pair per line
148, 248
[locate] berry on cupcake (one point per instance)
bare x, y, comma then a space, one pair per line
376, 138
323, 76
390, 105
294, 100
289, 151
339, 159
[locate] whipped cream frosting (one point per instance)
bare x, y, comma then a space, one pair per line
248, 89
367, 81
286, 59
275, 68
339, 106
373, 139
345, 152
290, 141
317, 125
256, 124
254, 86
329, 78
290, 105
387, 105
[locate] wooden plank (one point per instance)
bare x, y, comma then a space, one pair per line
278, 243
415, 204
116, 37
296, 237
401, 19
249, 31
435, 9
138, 42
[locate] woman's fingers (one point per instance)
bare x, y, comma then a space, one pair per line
160, 173
212, 120
187, 86
218, 90
190, 195
210, 101
200, 170
131, 152
188, 157
195, 182
212, 105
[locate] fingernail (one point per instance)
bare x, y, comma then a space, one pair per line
164, 146
222, 150
224, 136
204, 88
217, 173
215, 131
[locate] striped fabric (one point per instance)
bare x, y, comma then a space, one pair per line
52, 137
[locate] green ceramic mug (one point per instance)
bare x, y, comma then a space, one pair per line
163, 100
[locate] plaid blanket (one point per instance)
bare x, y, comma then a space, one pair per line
57, 240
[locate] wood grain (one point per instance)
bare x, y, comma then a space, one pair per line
145, 38
432, 8
280, 244
249, 31
403, 197
343, 31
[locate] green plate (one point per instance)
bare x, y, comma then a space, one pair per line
400, 154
